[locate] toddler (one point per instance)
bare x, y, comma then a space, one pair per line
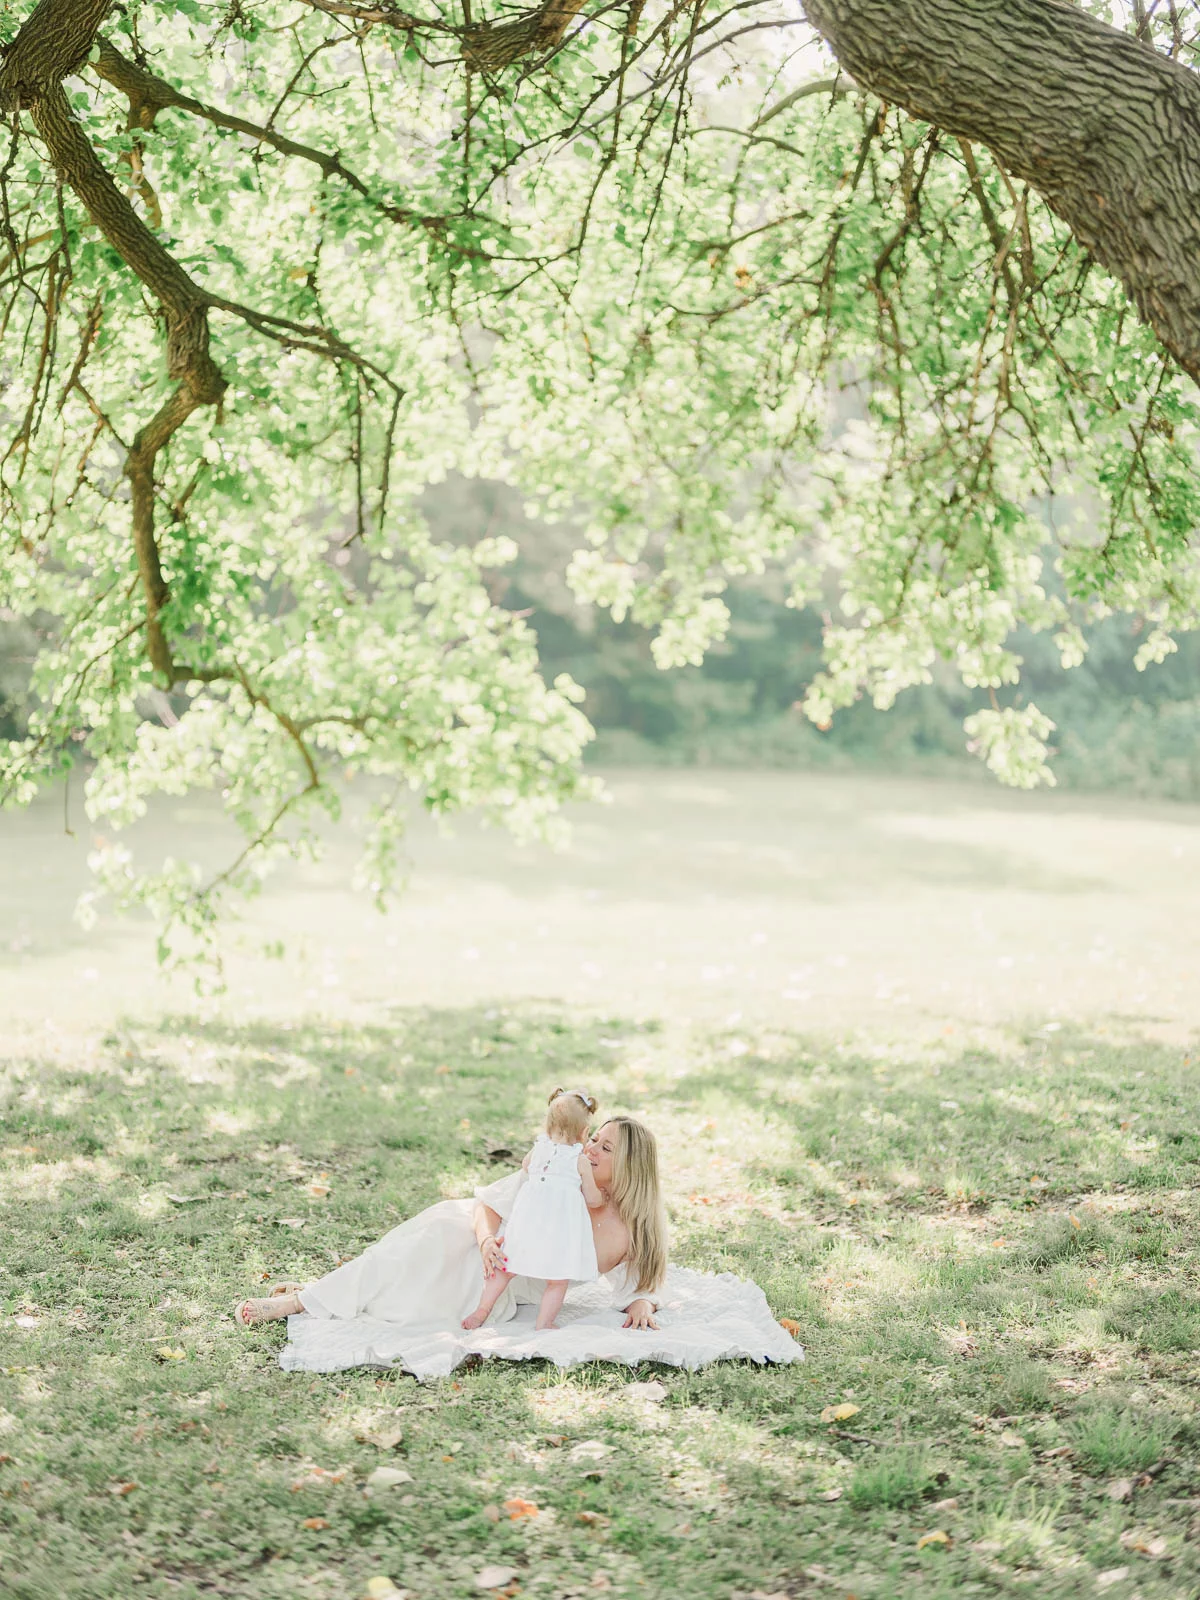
549, 1233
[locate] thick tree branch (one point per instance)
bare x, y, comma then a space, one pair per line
185, 308
31, 79
492, 46
1107, 131
52, 42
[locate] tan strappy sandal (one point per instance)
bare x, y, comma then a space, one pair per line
248, 1313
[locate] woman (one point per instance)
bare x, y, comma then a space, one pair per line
428, 1271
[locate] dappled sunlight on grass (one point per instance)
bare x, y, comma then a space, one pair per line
990, 1252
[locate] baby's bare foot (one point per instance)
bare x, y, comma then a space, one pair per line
541, 1326
476, 1319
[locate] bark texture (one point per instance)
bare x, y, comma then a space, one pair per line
1101, 125
491, 47
54, 41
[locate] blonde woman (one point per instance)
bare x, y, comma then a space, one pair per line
428, 1273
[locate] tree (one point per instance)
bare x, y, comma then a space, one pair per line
270, 269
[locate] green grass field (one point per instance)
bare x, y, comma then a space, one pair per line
991, 1255
985, 1230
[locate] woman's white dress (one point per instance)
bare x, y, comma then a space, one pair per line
401, 1303
548, 1233
427, 1271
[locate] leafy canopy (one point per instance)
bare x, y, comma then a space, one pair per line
658, 266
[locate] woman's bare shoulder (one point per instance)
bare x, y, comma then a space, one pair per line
612, 1240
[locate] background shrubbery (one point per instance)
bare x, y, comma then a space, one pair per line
1117, 729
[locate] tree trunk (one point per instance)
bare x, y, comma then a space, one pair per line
1101, 125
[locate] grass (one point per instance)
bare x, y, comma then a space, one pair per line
991, 1253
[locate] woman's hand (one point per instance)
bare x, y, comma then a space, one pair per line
640, 1315
492, 1252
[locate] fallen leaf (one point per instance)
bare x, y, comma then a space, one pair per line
945, 1505
122, 1488
938, 1536
290, 1222
1105, 1580
381, 1588
1153, 1545
789, 1326
318, 1190
1058, 1451
840, 1413
1120, 1490
645, 1391
1075, 1222
383, 1431
601, 1580
494, 1577
1012, 1439
315, 1476
185, 1199
167, 1353
440, 1072
388, 1478
588, 1450
830, 1494
315, 1523
518, 1508
492, 1513
594, 1519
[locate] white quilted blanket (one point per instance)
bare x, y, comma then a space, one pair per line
703, 1317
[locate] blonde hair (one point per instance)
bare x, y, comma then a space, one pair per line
569, 1113
637, 1195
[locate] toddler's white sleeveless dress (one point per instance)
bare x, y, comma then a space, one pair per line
549, 1232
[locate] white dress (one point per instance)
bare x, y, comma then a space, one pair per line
402, 1301
549, 1232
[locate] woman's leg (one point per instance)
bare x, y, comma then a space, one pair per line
552, 1299
248, 1312
493, 1288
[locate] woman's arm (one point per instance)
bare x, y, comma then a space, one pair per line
639, 1309
591, 1193
486, 1223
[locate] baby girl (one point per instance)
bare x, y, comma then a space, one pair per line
549, 1233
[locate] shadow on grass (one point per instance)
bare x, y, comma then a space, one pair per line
991, 1258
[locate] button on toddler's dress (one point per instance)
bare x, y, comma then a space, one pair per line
549, 1232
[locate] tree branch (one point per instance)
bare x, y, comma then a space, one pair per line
52, 42
148, 95
492, 46
1107, 131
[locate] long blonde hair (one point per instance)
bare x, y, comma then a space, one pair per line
637, 1195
